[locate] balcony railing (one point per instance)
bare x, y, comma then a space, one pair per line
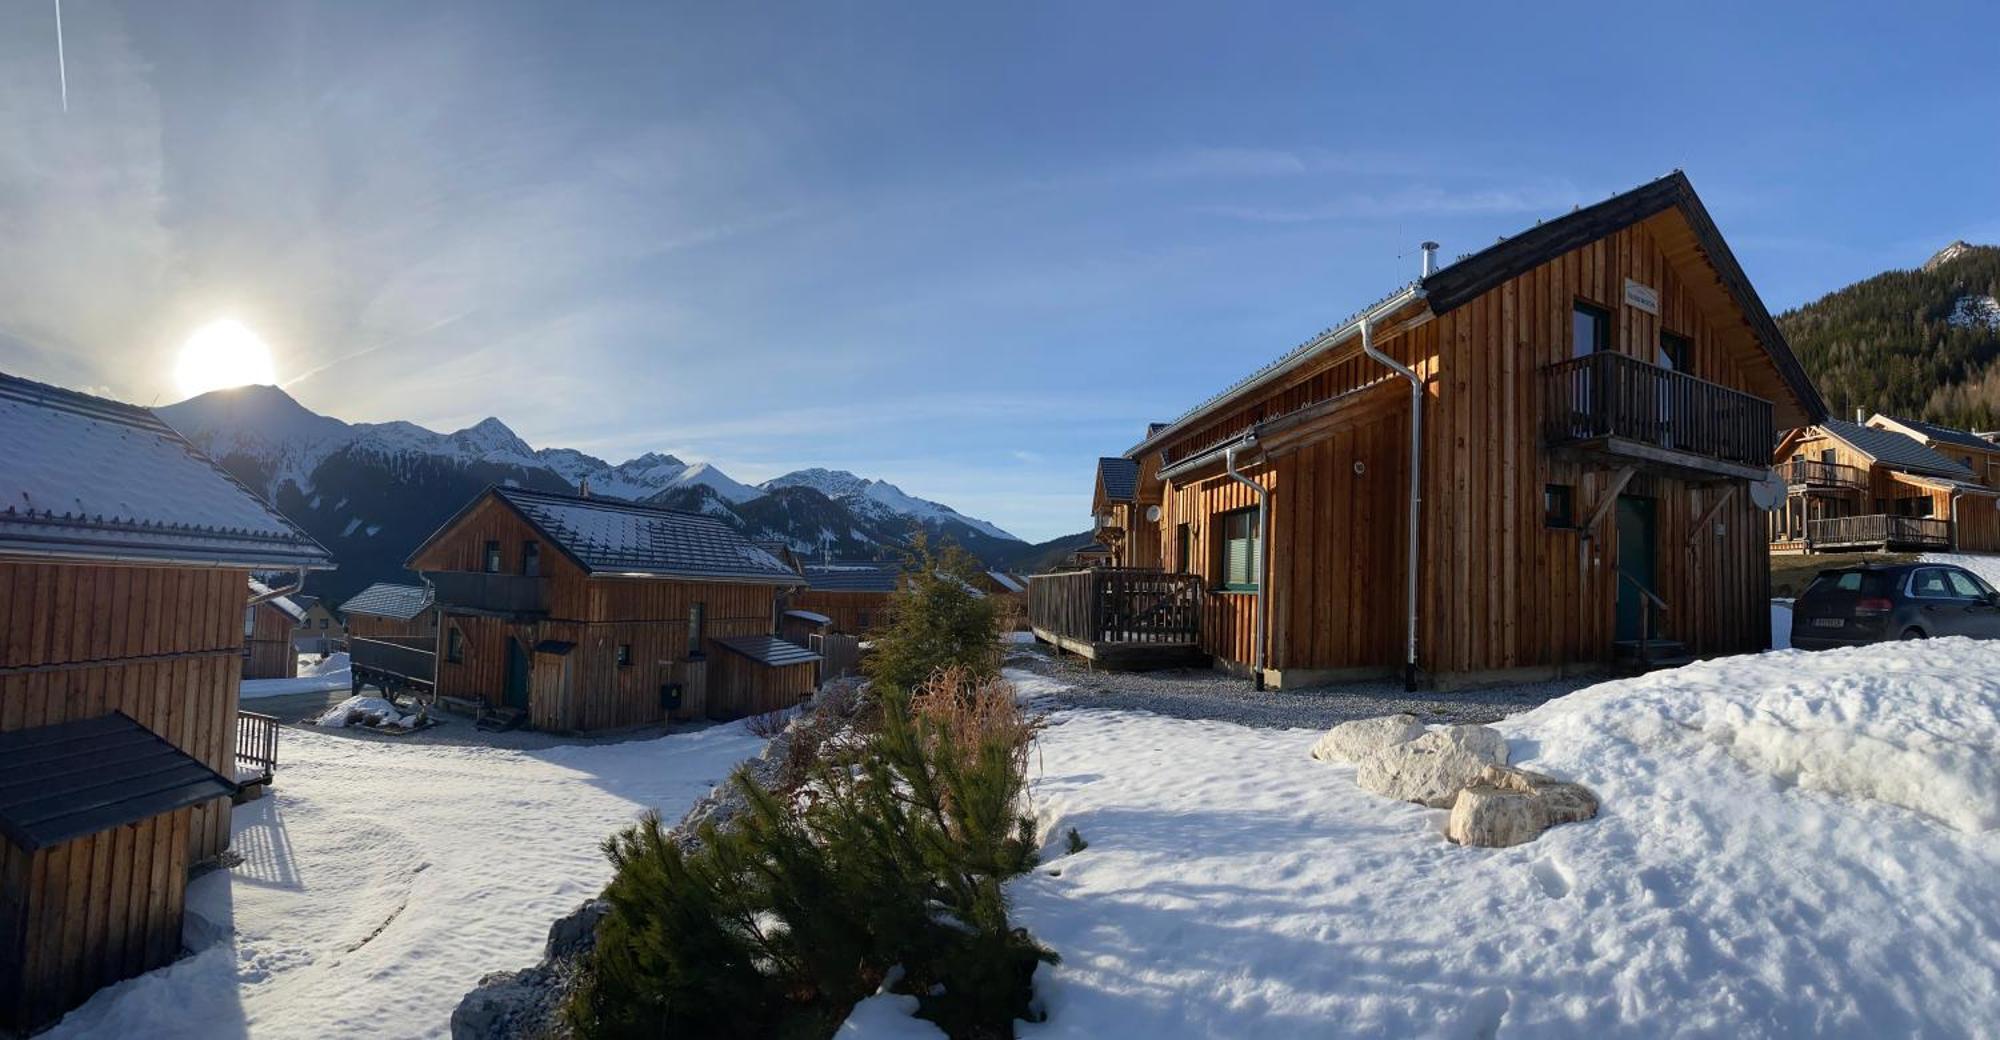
1808, 473
494, 593
1879, 530
1608, 395
1117, 605
256, 747
395, 664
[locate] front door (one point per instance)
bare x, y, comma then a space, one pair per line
517, 674
1635, 562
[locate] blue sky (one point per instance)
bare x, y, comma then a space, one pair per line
963, 250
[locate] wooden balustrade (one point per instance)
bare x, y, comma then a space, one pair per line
1608, 395
1812, 473
1879, 530
256, 747
1117, 605
489, 593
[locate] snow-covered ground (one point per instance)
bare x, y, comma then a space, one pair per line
382, 879
314, 676
1986, 565
1791, 844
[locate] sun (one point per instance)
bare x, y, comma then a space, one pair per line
220, 354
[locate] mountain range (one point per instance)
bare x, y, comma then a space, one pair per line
370, 492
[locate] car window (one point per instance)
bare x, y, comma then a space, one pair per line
1848, 582
1965, 585
1930, 583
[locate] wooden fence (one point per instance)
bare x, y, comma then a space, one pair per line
1879, 530
256, 747
1117, 605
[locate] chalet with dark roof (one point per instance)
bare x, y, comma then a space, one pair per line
585, 614
125, 562
1536, 459
853, 595
386, 610
270, 620
1886, 483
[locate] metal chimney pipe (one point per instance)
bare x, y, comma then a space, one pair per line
1430, 258
1860, 416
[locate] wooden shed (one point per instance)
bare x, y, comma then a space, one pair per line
270, 621
125, 557
753, 675
388, 611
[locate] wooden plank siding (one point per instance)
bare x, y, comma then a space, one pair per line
267, 647
738, 686
1499, 589
370, 626
855, 613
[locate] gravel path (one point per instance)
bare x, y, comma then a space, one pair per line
1207, 694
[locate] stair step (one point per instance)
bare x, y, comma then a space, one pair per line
499, 720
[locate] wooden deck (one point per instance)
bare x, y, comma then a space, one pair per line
1131, 618
1878, 531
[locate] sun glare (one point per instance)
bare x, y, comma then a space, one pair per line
222, 354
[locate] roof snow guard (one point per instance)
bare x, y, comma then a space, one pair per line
85, 478
607, 537
1457, 284
72, 779
397, 602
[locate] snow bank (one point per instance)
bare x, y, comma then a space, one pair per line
335, 664
1791, 844
1985, 565
314, 677
363, 711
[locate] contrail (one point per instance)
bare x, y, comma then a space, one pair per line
62, 70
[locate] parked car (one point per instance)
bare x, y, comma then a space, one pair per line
1854, 605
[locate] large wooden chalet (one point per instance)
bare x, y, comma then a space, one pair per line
1883, 483
854, 596
1590, 403
593, 614
125, 557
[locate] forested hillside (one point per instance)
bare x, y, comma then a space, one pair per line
1918, 343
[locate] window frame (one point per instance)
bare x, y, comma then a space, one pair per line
531, 558
623, 655
697, 628
1580, 306
1568, 496
454, 645
1248, 516
490, 559
1678, 354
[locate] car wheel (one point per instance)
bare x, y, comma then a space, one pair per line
1914, 633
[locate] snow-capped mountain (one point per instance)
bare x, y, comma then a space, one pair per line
371, 492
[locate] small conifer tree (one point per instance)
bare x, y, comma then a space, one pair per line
938, 619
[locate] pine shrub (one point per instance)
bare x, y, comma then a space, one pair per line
937, 619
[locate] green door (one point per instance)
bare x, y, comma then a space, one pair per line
1635, 561
517, 674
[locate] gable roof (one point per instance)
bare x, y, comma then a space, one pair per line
769, 651
1895, 450
1942, 434
853, 577
1119, 476
1006, 581
1457, 284
85, 478
608, 537
397, 602
62, 782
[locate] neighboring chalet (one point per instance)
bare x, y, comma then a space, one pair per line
125, 557
269, 621
1886, 484
592, 614
385, 611
322, 631
1543, 457
855, 596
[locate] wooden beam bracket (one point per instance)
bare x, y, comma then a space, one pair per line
1604, 502
1709, 516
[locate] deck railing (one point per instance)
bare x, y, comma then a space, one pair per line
1117, 605
1608, 394
1811, 473
256, 747
412, 659
1885, 530
497, 593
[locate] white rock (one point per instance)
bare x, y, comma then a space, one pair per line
1356, 740
1432, 768
1506, 806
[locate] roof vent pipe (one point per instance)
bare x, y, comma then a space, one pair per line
1860, 416
1430, 258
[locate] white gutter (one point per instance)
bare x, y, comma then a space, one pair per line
268, 595
1416, 490
1263, 547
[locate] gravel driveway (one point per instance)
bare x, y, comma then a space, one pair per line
1207, 694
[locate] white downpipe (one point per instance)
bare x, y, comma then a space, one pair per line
1263, 549
1416, 489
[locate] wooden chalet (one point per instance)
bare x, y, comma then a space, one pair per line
1888, 484
854, 595
270, 620
584, 614
1538, 458
392, 640
386, 611
125, 557
322, 631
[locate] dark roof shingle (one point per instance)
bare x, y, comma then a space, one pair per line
400, 602
1120, 477
72, 779
769, 651
1896, 450
611, 537
853, 577
1946, 434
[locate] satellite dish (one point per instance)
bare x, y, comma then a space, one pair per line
1153, 512
1769, 493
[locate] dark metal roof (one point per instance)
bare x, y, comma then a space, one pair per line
1120, 477
1946, 434
72, 779
853, 577
86, 478
605, 536
813, 616
1895, 450
401, 602
769, 651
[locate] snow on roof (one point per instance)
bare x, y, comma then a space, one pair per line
1007, 581
608, 537
83, 477
1895, 449
285, 603
400, 602
1940, 434
769, 651
809, 615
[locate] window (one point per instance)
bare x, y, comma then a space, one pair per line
1827, 456
1930, 583
1675, 351
492, 557
531, 558
862, 619
1557, 508
624, 654
1967, 586
1239, 550
1590, 330
454, 645
697, 617
322, 623
1183, 548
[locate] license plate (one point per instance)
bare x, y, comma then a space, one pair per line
1829, 622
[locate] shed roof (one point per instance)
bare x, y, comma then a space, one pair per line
1942, 434
769, 651
853, 577
87, 478
605, 536
813, 616
1895, 450
284, 604
1007, 581
399, 602
1119, 477
73, 779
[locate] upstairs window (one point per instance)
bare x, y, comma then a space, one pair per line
454, 645
1184, 548
1239, 550
697, 621
1557, 506
624, 654
531, 558
1590, 329
1675, 352
492, 557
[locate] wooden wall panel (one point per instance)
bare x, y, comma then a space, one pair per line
267, 647
368, 626
855, 613
738, 686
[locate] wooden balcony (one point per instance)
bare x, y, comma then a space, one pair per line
1878, 531
1626, 411
394, 665
1120, 617
1807, 475
256, 748
500, 595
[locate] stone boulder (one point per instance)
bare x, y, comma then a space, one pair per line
1505, 806
1356, 740
1432, 768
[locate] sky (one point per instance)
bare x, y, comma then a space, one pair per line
967, 250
